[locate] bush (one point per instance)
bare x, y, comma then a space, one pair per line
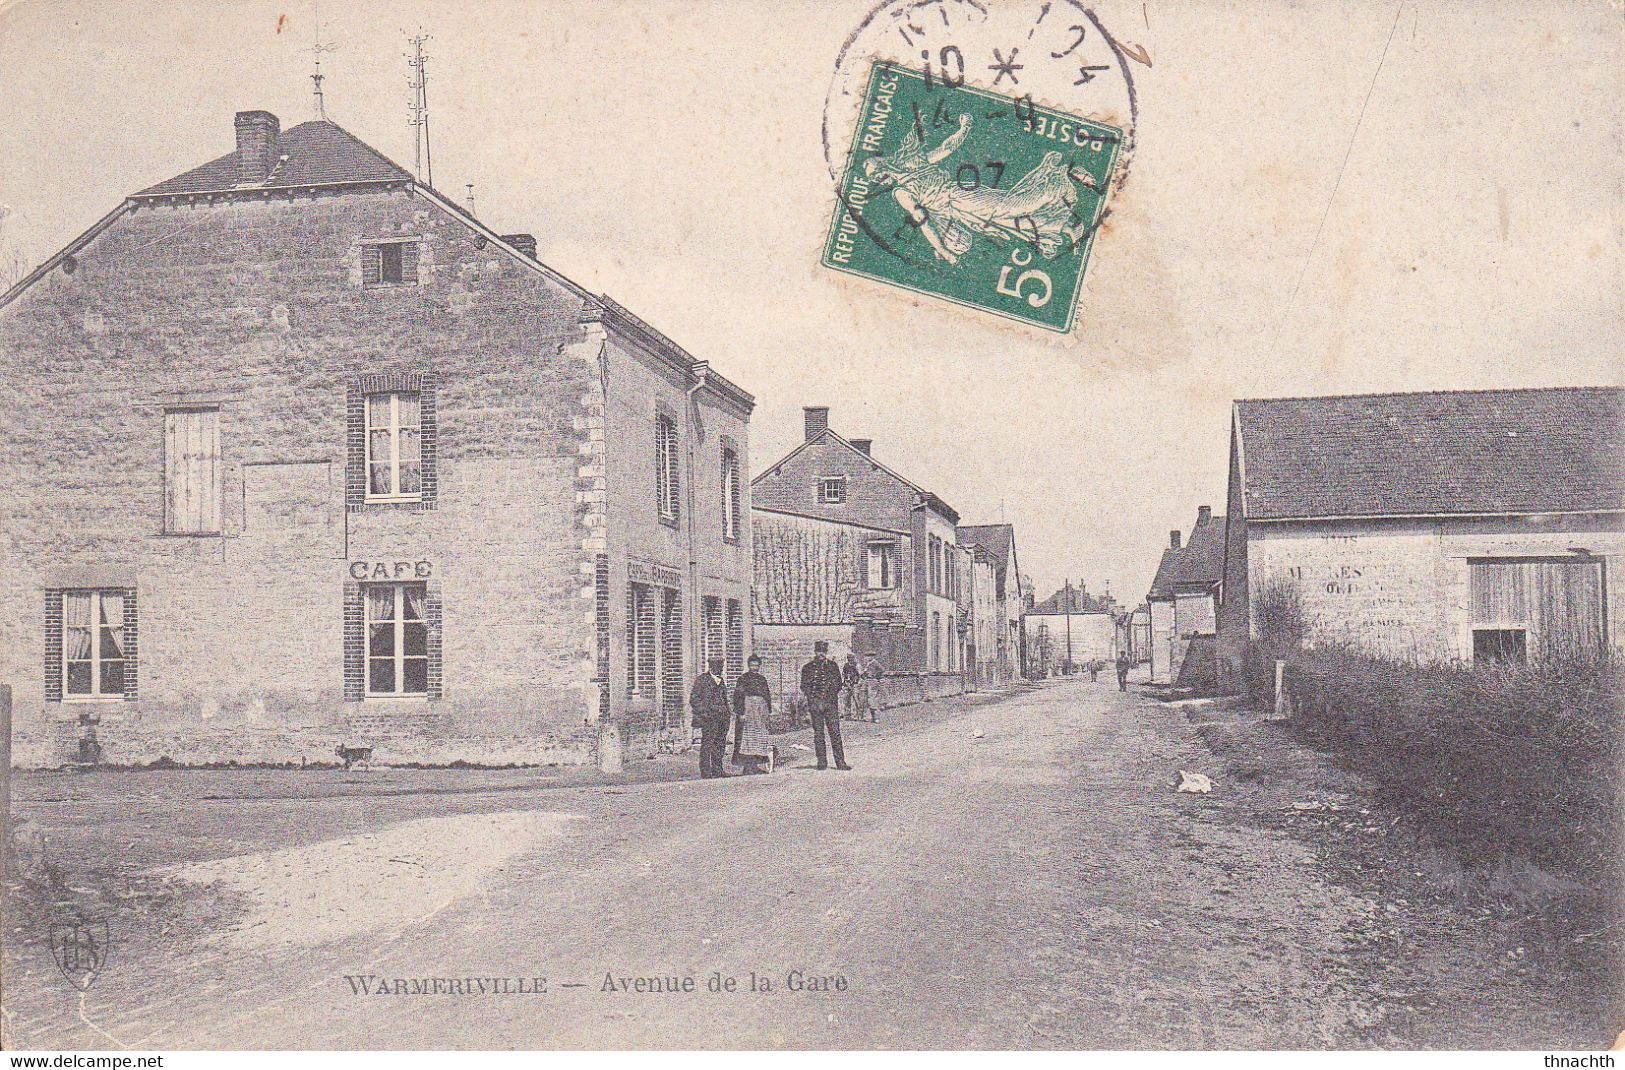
1519, 760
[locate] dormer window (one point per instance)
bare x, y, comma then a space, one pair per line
831, 490
393, 263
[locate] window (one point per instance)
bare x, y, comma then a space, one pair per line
93, 644
831, 490
192, 471
1501, 646
397, 640
882, 564
731, 518
936, 565
389, 263
394, 447
666, 485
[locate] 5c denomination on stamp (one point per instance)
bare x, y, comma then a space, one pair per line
987, 200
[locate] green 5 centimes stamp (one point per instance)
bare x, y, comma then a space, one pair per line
984, 200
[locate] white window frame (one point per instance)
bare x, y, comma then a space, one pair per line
400, 656
96, 694
668, 453
825, 485
888, 564
394, 429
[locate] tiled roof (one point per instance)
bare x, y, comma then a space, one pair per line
1486, 451
1202, 559
993, 538
318, 153
1162, 585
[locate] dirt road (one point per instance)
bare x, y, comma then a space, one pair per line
1015, 874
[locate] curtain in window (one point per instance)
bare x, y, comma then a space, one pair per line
380, 448
76, 625
411, 453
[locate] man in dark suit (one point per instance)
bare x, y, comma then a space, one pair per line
709, 706
821, 683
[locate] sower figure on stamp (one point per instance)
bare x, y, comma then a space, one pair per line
709, 705
821, 683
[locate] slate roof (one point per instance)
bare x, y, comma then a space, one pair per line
995, 539
1162, 584
1460, 452
319, 153
1202, 559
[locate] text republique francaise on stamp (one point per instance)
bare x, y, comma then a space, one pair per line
986, 200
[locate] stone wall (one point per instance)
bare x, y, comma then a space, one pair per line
256, 307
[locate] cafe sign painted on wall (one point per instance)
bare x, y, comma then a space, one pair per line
390, 570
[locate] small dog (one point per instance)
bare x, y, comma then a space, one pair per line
360, 757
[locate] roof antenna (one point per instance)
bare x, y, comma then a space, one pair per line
317, 48
419, 84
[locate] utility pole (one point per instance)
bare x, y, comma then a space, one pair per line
419, 84
1066, 607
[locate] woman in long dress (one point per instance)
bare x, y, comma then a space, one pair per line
753, 701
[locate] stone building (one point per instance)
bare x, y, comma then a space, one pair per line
1472, 526
1183, 605
1070, 629
849, 551
998, 613
300, 454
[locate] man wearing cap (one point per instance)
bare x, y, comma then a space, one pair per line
821, 684
709, 706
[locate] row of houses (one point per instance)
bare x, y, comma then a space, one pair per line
300, 452
1463, 526
851, 552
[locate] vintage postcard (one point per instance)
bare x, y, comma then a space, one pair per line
856, 525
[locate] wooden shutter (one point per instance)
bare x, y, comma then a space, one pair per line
372, 265
409, 262
192, 475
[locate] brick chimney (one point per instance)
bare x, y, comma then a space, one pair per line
1204, 514
1173, 539
862, 445
259, 146
525, 243
817, 421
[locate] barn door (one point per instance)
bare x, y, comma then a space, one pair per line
1536, 608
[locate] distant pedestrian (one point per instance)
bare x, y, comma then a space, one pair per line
753, 702
708, 705
851, 677
821, 684
1123, 666
1094, 670
868, 697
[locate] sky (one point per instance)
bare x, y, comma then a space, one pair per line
1337, 197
